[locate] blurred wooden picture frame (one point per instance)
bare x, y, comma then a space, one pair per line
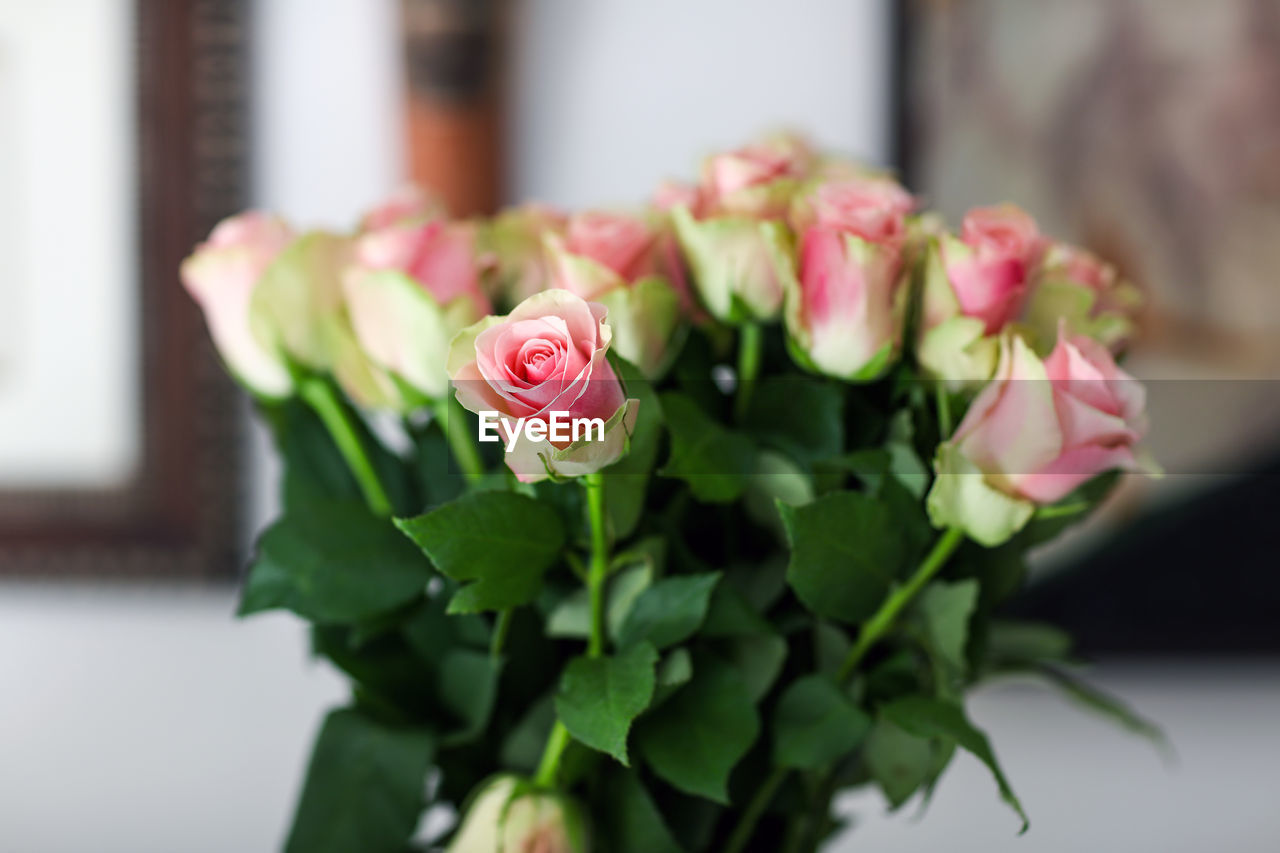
119, 433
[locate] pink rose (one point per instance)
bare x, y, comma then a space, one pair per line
441, 256
627, 264
1038, 431
974, 287
546, 357
846, 299
410, 290
1077, 286
221, 276
988, 269
408, 205
516, 237
755, 180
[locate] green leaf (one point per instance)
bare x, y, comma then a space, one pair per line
815, 724
944, 610
1109, 707
900, 762
695, 739
503, 542
801, 416
904, 463
1010, 642
674, 671
467, 685
926, 717
758, 659
846, 550
365, 787
599, 697
631, 821
333, 562
572, 615
712, 459
670, 611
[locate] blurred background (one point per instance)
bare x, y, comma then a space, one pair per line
136, 714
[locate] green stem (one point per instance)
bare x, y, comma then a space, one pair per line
943, 400
319, 395
501, 627
549, 766
750, 342
598, 569
597, 574
751, 815
1062, 510
453, 421
882, 620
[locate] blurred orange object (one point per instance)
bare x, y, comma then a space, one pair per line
454, 111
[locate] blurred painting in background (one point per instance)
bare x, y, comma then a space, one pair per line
122, 141
1149, 131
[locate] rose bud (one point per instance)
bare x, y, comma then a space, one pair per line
410, 290
221, 276
1075, 285
545, 363
1035, 433
508, 816
846, 293
974, 287
409, 205
723, 238
626, 264
514, 238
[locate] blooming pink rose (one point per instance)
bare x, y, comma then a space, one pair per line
622, 244
546, 356
408, 205
988, 269
221, 276
755, 180
845, 297
1038, 431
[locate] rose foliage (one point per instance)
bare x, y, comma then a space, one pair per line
822, 434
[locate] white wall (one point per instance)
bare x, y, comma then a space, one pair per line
149, 721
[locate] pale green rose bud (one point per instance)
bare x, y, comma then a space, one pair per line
731, 264
510, 816
294, 304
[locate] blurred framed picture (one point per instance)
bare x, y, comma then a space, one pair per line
122, 140
1149, 131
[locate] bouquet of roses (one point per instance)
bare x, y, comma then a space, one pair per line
652, 531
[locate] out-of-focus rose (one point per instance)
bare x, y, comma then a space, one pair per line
1077, 286
1038, 431
974, 287
625, 263
410, 290
722, 231
508, 816
221, 276
514, 238
845, 289
547, 356
409, 205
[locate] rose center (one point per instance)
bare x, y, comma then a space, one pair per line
538, 359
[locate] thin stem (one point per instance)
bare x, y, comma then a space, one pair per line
751, 815
882, 620
549, 766
750, 342
598, 569
319, 395
501, 627
597, 574
1063, 510
453, 422
943, 400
